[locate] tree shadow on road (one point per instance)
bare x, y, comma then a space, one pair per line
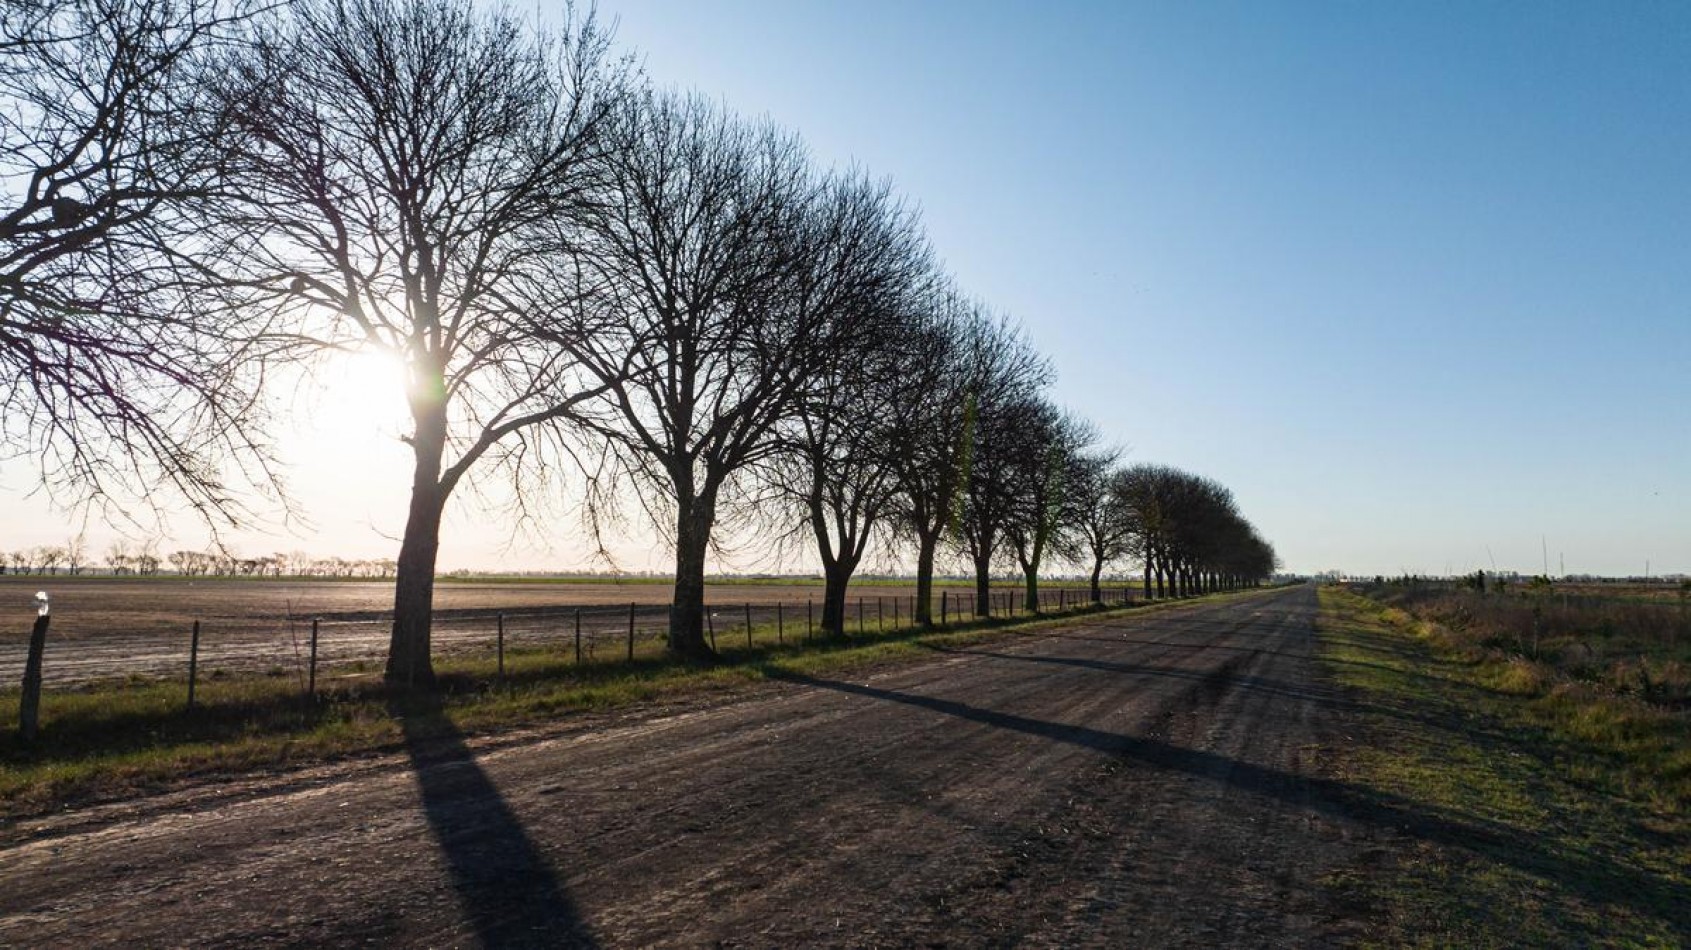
1600, 880
1327, 698
507, 888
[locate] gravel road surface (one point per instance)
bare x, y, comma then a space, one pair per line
1149, 779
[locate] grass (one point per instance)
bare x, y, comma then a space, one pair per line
1573, 804
118, 738
1626, 647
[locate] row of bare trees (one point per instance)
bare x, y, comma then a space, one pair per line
1185, 530
582, 273
122, 557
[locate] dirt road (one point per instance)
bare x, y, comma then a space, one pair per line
1149, 780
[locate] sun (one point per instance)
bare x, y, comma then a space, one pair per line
361, 396
342, 451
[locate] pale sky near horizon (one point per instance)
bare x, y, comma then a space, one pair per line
1413, 279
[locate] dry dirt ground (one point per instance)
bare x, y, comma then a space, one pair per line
114, 627
1148, 780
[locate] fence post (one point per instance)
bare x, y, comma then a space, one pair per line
748, 625
780, 625
895, 601
501, 645
944, 608
578, 636
311, 689
807, 620
29, 710
194, 662
860, 616
880, 616
631, 633
710, 624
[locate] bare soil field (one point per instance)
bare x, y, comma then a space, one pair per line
114, 627
1153, 779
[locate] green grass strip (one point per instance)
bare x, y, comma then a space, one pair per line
1578, 802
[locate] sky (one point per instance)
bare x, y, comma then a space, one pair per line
1414, 280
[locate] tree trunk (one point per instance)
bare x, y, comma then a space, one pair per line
1030, 576
1147, 578
1097, 575
835, 577
693, 521
983, 586
926, 546
410, 662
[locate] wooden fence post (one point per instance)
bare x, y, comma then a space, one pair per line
578, 636
194, 662
780, 625
808, 620
501, 646
710, 624
631, 633
860, 616
880, 616
29, 710
748, 625
311, 688
944, 608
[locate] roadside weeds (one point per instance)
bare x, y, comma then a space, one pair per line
1582, 833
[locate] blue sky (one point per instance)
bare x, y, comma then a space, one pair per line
1413, 279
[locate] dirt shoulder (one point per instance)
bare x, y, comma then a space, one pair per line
1160, 779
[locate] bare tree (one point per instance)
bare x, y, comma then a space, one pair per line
106, 381
1044, 454
716, 318
1105, 526
48, 557
397, 169
76, 553
1144, 493
929, 442
119, 559
1004, 376
839, 471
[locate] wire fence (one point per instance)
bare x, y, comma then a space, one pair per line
354, 642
